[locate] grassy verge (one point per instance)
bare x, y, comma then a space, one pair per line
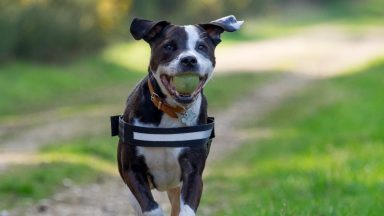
24, 184
28, 87
223, 90
323, 155
87, 159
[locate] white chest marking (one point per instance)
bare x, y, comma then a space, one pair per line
163, 163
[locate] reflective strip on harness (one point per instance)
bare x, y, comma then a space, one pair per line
162, 137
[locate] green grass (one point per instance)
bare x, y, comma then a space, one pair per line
323, 155
24, 184
80, 160
28, 87
223, 90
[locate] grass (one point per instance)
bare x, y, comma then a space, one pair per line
78, 160
223, 90
323, 155
29, 87
24, 184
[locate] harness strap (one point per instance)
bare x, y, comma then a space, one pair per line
163, 137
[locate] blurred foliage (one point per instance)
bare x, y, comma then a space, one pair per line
51, 30
56, 29
194, 11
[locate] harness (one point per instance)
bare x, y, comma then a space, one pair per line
191, 136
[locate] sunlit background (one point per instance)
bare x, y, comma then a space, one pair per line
298, 95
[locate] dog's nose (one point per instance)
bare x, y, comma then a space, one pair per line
189, 61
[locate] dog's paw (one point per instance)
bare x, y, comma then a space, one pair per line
154, 212
185, 210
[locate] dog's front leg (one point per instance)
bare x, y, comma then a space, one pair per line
137, 181
192, 187
141, 191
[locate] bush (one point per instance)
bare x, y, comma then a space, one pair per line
48, 30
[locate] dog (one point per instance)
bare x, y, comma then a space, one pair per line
155, 102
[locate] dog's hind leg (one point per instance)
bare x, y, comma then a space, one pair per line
174, 198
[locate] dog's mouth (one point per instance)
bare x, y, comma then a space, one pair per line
184, 87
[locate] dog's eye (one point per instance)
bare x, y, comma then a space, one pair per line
201, 47
170, 47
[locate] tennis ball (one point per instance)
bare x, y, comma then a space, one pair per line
186, 83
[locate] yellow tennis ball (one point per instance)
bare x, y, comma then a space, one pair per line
186, 83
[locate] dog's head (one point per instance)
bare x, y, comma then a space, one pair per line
178, 50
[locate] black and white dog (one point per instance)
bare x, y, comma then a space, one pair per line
174, 50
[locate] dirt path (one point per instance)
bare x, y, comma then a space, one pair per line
310, 55
319, 51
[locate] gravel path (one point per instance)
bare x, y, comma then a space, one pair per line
309, 55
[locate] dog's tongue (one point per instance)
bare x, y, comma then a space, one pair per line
186, 83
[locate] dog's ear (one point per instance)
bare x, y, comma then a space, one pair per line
215, 28
146, 29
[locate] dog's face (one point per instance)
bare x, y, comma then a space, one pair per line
177, 50
182, 49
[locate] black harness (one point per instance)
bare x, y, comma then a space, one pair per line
191, 136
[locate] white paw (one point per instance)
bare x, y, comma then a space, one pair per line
154, 212
185, 210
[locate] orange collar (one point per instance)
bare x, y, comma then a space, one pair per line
162, 105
